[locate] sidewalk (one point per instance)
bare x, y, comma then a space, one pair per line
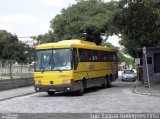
11, 93
154, 89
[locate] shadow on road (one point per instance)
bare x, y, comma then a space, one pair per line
123, 84
72, 94
117, 84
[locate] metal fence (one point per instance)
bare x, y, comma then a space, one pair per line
10, 69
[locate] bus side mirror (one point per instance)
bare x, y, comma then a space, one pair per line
75, 62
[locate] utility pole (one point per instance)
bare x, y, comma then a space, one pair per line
148, 78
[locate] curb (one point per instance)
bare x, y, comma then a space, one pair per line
17, 96
141, 93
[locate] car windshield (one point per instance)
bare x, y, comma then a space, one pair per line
128, 71
56, 59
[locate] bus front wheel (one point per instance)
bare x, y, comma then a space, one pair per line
81, 91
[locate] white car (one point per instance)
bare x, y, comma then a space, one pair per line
128, 75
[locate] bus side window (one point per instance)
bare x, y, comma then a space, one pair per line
100, 56
81, 55
114, 57
94, 55
85, 55
109, 57
75, 59
105, 57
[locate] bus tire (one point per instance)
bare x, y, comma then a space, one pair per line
109, 82
51, 93
82, 89
104, 85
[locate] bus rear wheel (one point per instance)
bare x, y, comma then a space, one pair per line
104, 85
51, 93
109, 82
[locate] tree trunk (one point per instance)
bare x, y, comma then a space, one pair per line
21, 69
10, 69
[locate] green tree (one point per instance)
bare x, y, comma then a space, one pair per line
85, 20
138, 22
46, 38
11, 48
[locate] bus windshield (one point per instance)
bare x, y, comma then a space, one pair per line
53, 59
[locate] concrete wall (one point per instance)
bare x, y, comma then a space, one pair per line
15, 83
154, 78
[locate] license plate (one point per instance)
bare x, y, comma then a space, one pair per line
52, 90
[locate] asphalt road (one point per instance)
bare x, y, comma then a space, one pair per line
120, 99
117, 99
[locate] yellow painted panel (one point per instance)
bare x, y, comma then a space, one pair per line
56, 76
93, 69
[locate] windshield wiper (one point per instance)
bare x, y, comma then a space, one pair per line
47, 65
59, 69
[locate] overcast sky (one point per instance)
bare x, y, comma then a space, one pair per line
32, 17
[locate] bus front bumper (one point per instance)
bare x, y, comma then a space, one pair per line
58, 88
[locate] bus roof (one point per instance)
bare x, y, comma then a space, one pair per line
73, 44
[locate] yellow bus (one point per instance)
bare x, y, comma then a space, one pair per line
73, 65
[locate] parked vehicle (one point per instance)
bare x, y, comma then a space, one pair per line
128, 75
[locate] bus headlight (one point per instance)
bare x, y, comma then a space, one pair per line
38, 82
66, 81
